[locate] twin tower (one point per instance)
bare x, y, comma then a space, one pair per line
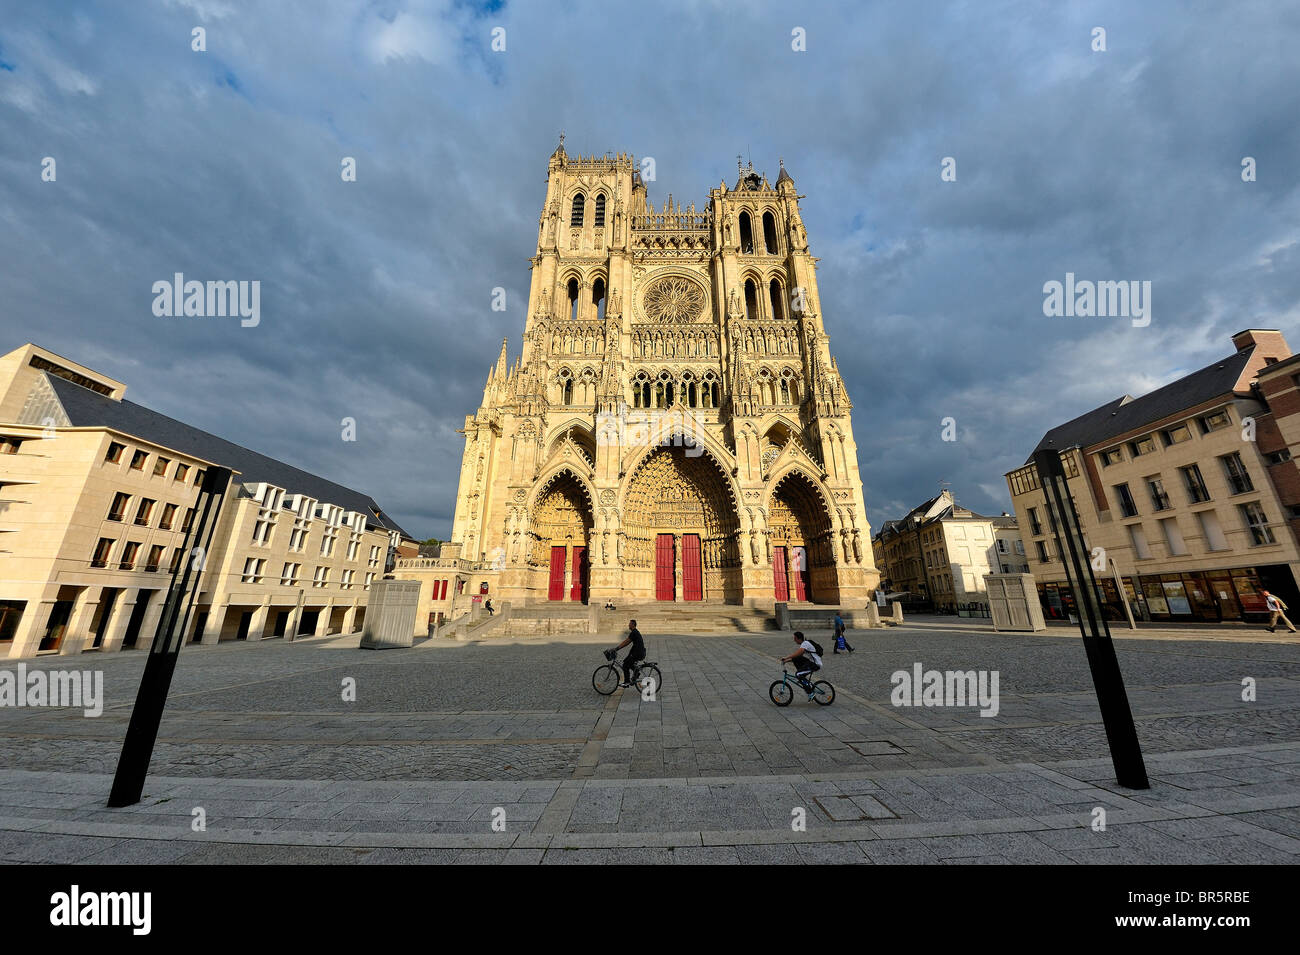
676, 428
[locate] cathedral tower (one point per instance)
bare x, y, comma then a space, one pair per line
676, 427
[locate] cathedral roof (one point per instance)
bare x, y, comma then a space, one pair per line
785, 176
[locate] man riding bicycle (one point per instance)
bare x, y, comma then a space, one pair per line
634, 656
806, 662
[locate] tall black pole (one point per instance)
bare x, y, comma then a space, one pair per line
137, 748
1121, 734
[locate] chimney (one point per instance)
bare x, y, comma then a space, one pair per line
1269, 341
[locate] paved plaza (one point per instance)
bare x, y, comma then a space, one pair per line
501, 751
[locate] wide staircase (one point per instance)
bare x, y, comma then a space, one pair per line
668, 617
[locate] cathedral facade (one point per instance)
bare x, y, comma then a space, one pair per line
676, 428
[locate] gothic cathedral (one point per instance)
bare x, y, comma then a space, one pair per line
676, 428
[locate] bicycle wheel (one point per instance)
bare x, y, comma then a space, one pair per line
606, 679
780, 693
823, 693
651, 673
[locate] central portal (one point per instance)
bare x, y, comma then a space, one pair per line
681, 530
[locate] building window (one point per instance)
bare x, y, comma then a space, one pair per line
1002, 546
777, 299
253, 570
297, 538
370, 579
289, 576
579, 208
1215, 421
374, 556
155, 558
1035, 527
160, 466
1211, 530
1020, 548
181, 471
1257, 523
1113, 456
199, 475
1176, 435
102, 551
322, 577
10, 445
1043, 558
118, 510
189, 520
176, 560
751, 300
137, 460
143, 511
168, 515
1138, 538
1173, 537
1159, 499
769, 233
1279, 457
1195, 484
746, 234
345, 580
600, 210
114, 452
598, 298
128, 556
1126, 505
328, 536
1235, 471
1142, 446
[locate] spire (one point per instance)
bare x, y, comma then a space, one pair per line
501, 361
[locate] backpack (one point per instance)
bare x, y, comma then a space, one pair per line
816, 646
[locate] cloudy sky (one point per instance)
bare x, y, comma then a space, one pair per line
376, 295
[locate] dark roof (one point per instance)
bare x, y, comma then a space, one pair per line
85, 408
1126, 414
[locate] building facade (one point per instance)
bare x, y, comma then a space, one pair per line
97, 496
1188, 494
676, 428
939, 552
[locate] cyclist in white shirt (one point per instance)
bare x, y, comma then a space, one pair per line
806, 662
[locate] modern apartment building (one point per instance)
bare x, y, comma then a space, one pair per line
1189, 491
97, 494
939, 553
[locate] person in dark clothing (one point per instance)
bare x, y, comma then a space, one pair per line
840, 640
487, 605
636, 654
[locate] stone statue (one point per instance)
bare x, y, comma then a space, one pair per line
753, 546
857, 547
604, 548
733, 306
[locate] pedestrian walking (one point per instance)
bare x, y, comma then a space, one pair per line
487, 605
1277, 611
840, 642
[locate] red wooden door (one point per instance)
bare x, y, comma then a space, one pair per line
556, 591
799, 570
665, 568
578, 587
779, 578
692, 574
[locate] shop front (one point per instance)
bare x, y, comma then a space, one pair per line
1196, 596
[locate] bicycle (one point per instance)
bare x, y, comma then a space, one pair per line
609, 676
782, 692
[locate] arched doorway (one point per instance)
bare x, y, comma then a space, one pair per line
681, 530
803, 559
561, 533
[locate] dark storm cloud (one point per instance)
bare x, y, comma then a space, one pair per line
376, 294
